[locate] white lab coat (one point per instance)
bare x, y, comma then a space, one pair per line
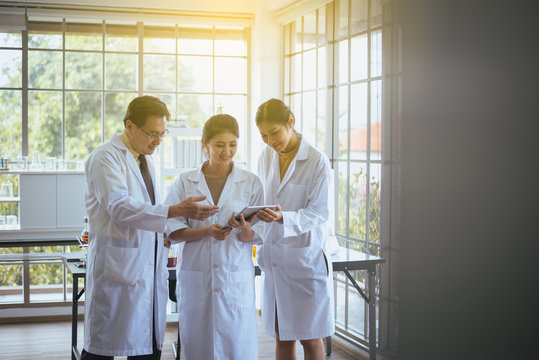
122, 291
297, 279
216, 278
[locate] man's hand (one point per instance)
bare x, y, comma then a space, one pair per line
190, 208
271, 215
166, 242
218, 232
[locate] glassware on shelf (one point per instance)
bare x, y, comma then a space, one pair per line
2, 220
36, 161
6, 191
22, 162
11, 219
50, 163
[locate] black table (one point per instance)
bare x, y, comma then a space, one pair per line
344, 260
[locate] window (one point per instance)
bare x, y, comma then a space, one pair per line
80, 79
81, 76
333, 83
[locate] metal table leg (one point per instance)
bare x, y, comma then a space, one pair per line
372, 315
74, 316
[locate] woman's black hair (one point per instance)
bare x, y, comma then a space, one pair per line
218, 124
273, 111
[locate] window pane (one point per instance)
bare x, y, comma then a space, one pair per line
342, 120
342, 47
169, 100
45, 123
83, 70
230, 42
295, 36
322, 25
356, 313
194, 110
195, 73
309, 116
121, 38
376, 53
45, 69
287, 39
341, 18
235, 105
46, 282
376, 119
309, 31
295, 106
374, 203
342, 196
309, 69
84, 36
195, 41
296, 73
358, 200
83, 124
359, 57
11, 67
10, 121
376, 12
121, 71
321, 132
11, 278
358, 121
115, 108
45, 35
322, 77
159, 40
287, 75
11, 38
340, 301
230, 74
359, 10
159, 72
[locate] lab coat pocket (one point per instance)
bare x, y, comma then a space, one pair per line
299, 263
122, 266
191, 287
240, 291
296, 197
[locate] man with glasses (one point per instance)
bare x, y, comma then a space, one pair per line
126, 276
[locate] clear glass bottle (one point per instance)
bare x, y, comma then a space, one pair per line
86, 231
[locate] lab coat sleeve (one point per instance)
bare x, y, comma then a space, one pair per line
107, 181
176, 195
316, 213
257, 198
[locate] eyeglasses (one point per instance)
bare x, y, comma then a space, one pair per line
154, 135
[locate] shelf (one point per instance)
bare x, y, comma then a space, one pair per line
42, 172
10, 199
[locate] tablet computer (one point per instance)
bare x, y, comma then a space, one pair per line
250, 210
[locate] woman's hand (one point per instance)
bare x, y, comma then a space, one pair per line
271, 215
218, 232
246, 233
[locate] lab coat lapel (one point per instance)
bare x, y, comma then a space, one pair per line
301, 155
234, 177
132, 163
201, 185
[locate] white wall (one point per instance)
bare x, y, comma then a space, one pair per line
266, 68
